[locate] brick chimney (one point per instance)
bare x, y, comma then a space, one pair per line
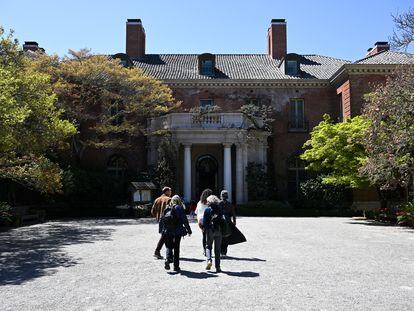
135, 38
277, 39
378, 47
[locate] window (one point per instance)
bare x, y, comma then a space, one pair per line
206, 103
117, 166
117, 113
292, 67
296, 175
207, 67
297, 114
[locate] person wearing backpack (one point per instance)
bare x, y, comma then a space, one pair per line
174, 227
212, 221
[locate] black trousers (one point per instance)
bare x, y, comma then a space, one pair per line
161, 242
224, 246
204, 241
172, 245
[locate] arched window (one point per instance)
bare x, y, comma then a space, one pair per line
296, 175
117, 166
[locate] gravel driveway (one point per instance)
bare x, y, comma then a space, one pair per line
286, 264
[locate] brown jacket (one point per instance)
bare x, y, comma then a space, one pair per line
159, 206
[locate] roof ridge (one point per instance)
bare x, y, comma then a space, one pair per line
371, 56
331, 57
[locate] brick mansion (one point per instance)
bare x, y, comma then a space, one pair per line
215, 151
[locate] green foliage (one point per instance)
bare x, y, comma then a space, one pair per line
94, 187
337, 150
317, 194
405, 214
108, 102
282, 209
6, 214
31, 124
389, 141
166, 171
258, 181
260, 116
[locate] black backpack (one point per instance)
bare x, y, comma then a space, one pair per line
169, 218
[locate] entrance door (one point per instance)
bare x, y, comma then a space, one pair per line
206, 174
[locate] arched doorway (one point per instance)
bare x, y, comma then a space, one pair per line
206, 174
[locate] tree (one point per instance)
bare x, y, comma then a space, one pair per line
337, 150
258, 181
166, 170
108, 103
404, 33
389, 140
31, 124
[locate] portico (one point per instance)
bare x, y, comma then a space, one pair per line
214, 152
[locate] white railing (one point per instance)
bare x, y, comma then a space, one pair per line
192, 120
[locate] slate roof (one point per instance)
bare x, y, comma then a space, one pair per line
388, 58
235, 66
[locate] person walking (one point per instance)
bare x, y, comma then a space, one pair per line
201, 206
156, 211
229, 213
212, 220
175, 226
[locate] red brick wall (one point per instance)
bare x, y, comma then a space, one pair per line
361, 85
283, 143
345, 92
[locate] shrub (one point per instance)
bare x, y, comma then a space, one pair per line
314, 193
6, 215
405, 215
258, 181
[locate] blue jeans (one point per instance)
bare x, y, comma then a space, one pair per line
216, 238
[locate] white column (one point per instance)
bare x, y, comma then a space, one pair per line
245, 161
227, 169
239, 175
187, 172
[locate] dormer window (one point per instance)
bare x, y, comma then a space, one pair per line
206, 64
207, 67
292, 67
291, 64
124, 60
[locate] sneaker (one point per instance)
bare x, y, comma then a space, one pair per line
158, 256
209, 264
177, 269
167, 265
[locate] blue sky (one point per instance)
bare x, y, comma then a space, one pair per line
343, 29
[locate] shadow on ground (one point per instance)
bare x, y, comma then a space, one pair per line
243, 259
205, 275
379, 224
197, 275
30, 252
243, 274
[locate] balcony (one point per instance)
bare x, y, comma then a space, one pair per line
227, 120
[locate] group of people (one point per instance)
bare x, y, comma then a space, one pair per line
215, 217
